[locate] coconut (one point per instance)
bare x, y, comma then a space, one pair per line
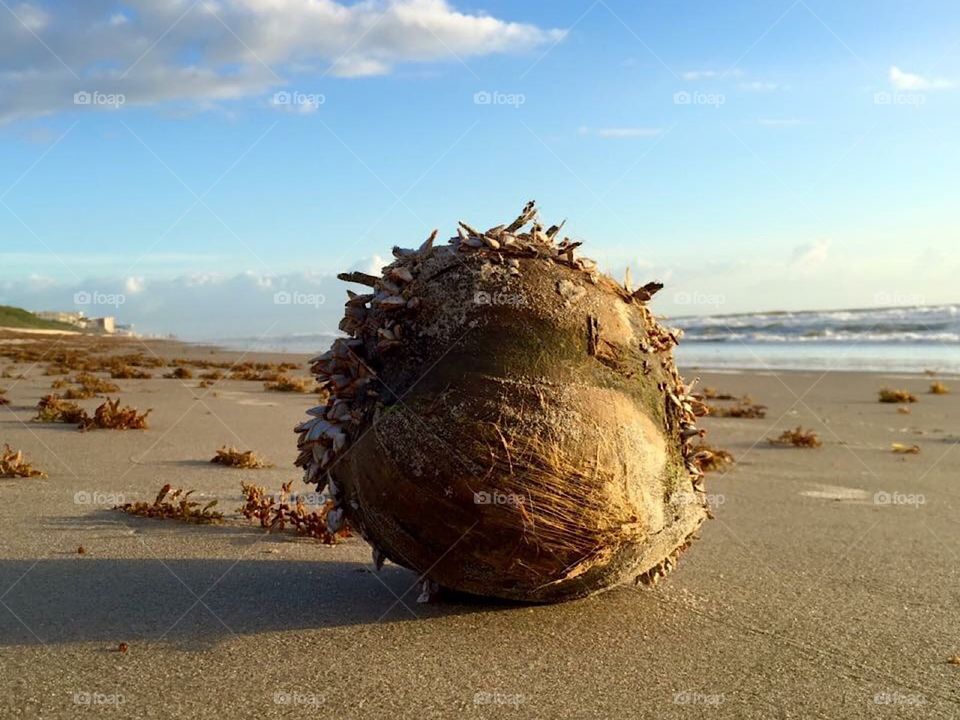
506, 421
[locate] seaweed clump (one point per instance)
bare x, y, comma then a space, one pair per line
54, 409
888, 395
275, 512
111, 416
13, 465
174, 504
797, 438
231, 457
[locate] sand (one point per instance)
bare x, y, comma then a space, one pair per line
807, 596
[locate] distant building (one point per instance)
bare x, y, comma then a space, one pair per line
106, 324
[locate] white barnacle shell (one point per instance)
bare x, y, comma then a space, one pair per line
428, 590
335, 520
401, 274
391, 302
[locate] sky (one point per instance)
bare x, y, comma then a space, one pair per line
205, 168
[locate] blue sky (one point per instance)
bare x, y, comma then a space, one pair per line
752, 155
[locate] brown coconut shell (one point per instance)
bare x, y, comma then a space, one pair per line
506, 421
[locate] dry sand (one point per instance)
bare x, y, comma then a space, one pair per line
805, 597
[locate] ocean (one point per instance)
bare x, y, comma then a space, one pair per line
900, 339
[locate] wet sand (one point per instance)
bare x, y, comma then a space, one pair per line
808, 595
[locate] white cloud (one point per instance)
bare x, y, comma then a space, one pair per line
909, 81
692, 75
134, 285
31, 18
809, 256
759, 86
237, 48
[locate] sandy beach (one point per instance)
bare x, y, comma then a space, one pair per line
826, 585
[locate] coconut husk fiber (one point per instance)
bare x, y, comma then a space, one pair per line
505, 420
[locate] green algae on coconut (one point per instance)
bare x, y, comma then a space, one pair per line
505, 420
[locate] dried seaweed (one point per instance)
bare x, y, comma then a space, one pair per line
180, 373
231, 457
743, 409
902, 449
896, 396
274, 513
710, 394
289, 384
128, 372
12, 465
53, 409
938, 388
797, 438
174, 505
710, 459
110, 416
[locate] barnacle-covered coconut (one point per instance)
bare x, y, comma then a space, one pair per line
504, 420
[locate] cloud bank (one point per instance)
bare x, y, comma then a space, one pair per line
206, 51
